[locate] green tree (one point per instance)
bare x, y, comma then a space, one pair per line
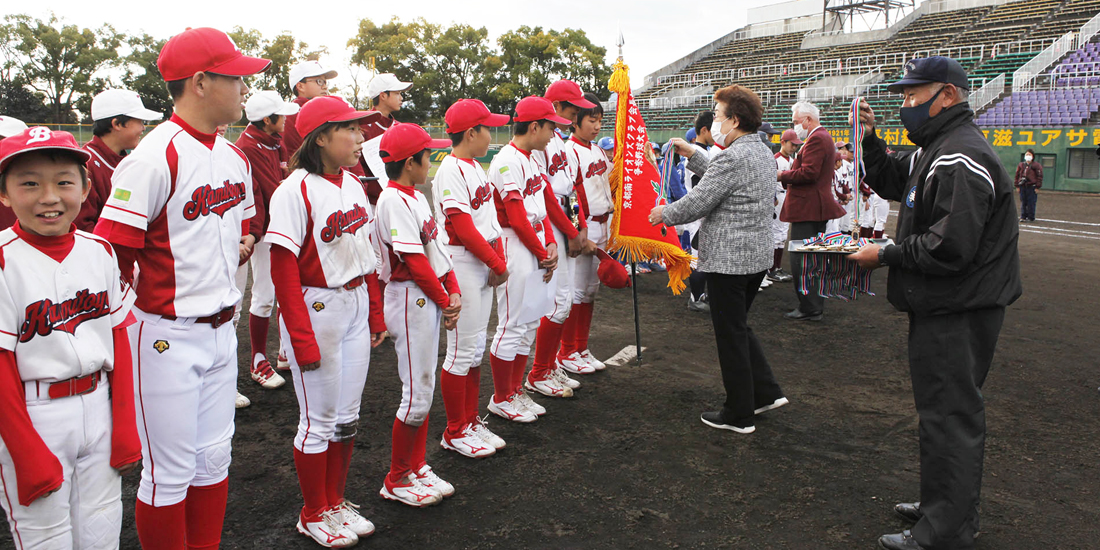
532, 58
284, 51
140, 73
60, 60
393, 46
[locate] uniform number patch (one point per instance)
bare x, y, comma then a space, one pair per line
161, 346
420, 302
318, 306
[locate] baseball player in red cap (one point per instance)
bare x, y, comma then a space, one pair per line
422, 288
66, 395
464, 207
180, 206
561, 173
323, 267
522, 197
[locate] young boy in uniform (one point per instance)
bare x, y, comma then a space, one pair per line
66, 384
308, 79
180, 206
384, 92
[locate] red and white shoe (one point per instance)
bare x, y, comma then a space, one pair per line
468, 444
410, 491
550, 387
591, 360
512, 410
427, 478
265, 376
282, 363
481, 429
348, 513
560, 375
327, 530
529, 403
574, 364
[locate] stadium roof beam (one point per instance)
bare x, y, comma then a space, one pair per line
874, 14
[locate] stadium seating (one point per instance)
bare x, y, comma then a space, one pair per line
1074, 96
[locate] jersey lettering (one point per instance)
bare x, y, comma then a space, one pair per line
482, 196
429, 231
556, 163
43, 317
348, 222
596, 168
534, 185
207, 199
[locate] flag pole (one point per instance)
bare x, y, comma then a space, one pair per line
633, 264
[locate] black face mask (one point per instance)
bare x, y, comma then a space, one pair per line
915, 117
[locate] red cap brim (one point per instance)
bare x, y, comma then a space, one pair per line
438, 144
559, 120
495, 121
4, 162
582, 103
242, 66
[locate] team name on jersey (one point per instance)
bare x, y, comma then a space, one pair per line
555, 163
534, 185
429, 231
43, 317
596, 168
207, 199
348, 222
481, 196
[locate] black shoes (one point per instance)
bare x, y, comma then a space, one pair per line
714, 419
798, 315
899, 541
909, 510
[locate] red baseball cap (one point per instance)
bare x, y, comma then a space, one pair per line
611, 272
205, 49
325, 108
534, 108
468, 113
791, 136
567, 90
402, 141
38, 138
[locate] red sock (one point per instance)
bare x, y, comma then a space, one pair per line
502, 378
584, 325
161, 528
404, 437
519, 365
205, 515
257, 333
777, 258
338, 460
420, 446
312, 476
547, 340
453, 388
473, 394
569, 334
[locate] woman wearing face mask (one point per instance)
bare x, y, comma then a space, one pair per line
1029, 179
735, 199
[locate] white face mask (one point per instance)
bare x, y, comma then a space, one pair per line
716, 133
1028, 158
801, 132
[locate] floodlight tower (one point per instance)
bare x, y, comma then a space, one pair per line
872, 14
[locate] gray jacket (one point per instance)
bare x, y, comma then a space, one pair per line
736, 199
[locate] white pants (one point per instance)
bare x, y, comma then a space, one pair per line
780, 229
86, 512
413, 320
842, 224
513, 337
881, 207
329, 396
586, 281
263, 290
563, 298
185, 384
466, 344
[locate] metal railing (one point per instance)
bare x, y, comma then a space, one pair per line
1088, 30
1021, 46
1067, 79
1023, 78
954, 52
987, 94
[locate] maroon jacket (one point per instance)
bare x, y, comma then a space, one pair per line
265, 154
809, 182
100, 169
1029, 173
291, 140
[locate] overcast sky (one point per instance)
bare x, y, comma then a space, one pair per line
656, 32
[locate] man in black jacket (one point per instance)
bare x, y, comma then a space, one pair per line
954, 269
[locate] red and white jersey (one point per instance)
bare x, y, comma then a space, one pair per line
462, 184
593, 170
556, 165
514, 169
328, 225
406, 226
190, 199
58, 316
783, 162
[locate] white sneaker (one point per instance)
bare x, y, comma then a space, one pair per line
348, 513
242, 401
481, 428
282, 363
265, 376
564, 379
765, 283
410, 491
774, 405
468, 444
427, 478
328, 530
574, 364
550, 387
512, 410
591, 360
529, 404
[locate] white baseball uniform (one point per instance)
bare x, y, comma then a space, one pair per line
842, 178
182, 199
516, 171
780, 228
592, 173
559, 169
330, 230
406, 226
57, 317
464, 186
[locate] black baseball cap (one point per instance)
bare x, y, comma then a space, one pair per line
769, 129
931, 69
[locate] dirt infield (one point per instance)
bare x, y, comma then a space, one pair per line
627, 464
